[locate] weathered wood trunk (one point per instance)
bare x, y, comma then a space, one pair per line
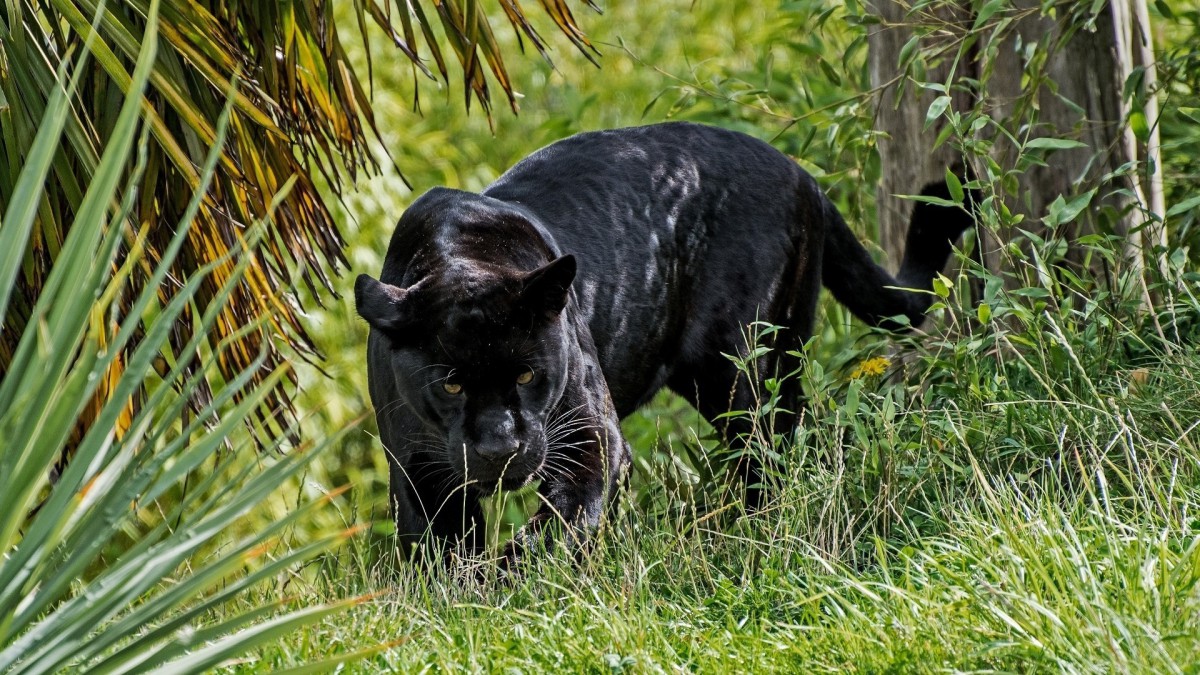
1039, 77
908, 158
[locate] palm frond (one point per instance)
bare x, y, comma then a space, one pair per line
300, 115
83, 575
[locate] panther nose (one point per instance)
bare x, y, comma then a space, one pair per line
496, 452
496, 438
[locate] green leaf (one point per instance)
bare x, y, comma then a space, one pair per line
942, 286
986, 12
1137, 122
1061, 211
1183, 207
936, 109
1047, 143
983, 312
927, 199
330, 664
906, 52
240, 642
830, 72
943, 136
955, 186
26, 195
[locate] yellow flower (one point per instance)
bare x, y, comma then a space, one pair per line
873, 366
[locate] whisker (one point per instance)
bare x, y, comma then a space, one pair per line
558, 417
576, 445
570, 423
568, 417
563, 458
556, 411
556, 433
390, 407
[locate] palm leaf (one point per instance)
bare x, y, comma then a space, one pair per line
83, 576
300, 117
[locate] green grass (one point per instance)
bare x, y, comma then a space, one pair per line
1049, 522
1016, 581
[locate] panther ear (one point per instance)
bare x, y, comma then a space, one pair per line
384, 306
545, 289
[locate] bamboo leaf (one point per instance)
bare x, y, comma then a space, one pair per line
955, 186
1048, 143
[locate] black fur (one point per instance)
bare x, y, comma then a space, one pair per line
611, 264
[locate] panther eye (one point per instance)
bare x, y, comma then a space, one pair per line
452, 388
525, 377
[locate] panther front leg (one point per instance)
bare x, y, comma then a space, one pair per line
581, 476
436, 519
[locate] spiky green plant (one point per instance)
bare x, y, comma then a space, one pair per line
113, 564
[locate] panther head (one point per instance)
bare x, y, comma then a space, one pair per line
479, 354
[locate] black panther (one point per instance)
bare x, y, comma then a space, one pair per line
511, 330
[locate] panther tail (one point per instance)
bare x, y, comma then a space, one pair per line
867, 289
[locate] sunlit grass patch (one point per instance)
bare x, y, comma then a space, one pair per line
1015, 533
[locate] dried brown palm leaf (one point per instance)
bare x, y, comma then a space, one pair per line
299, 111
